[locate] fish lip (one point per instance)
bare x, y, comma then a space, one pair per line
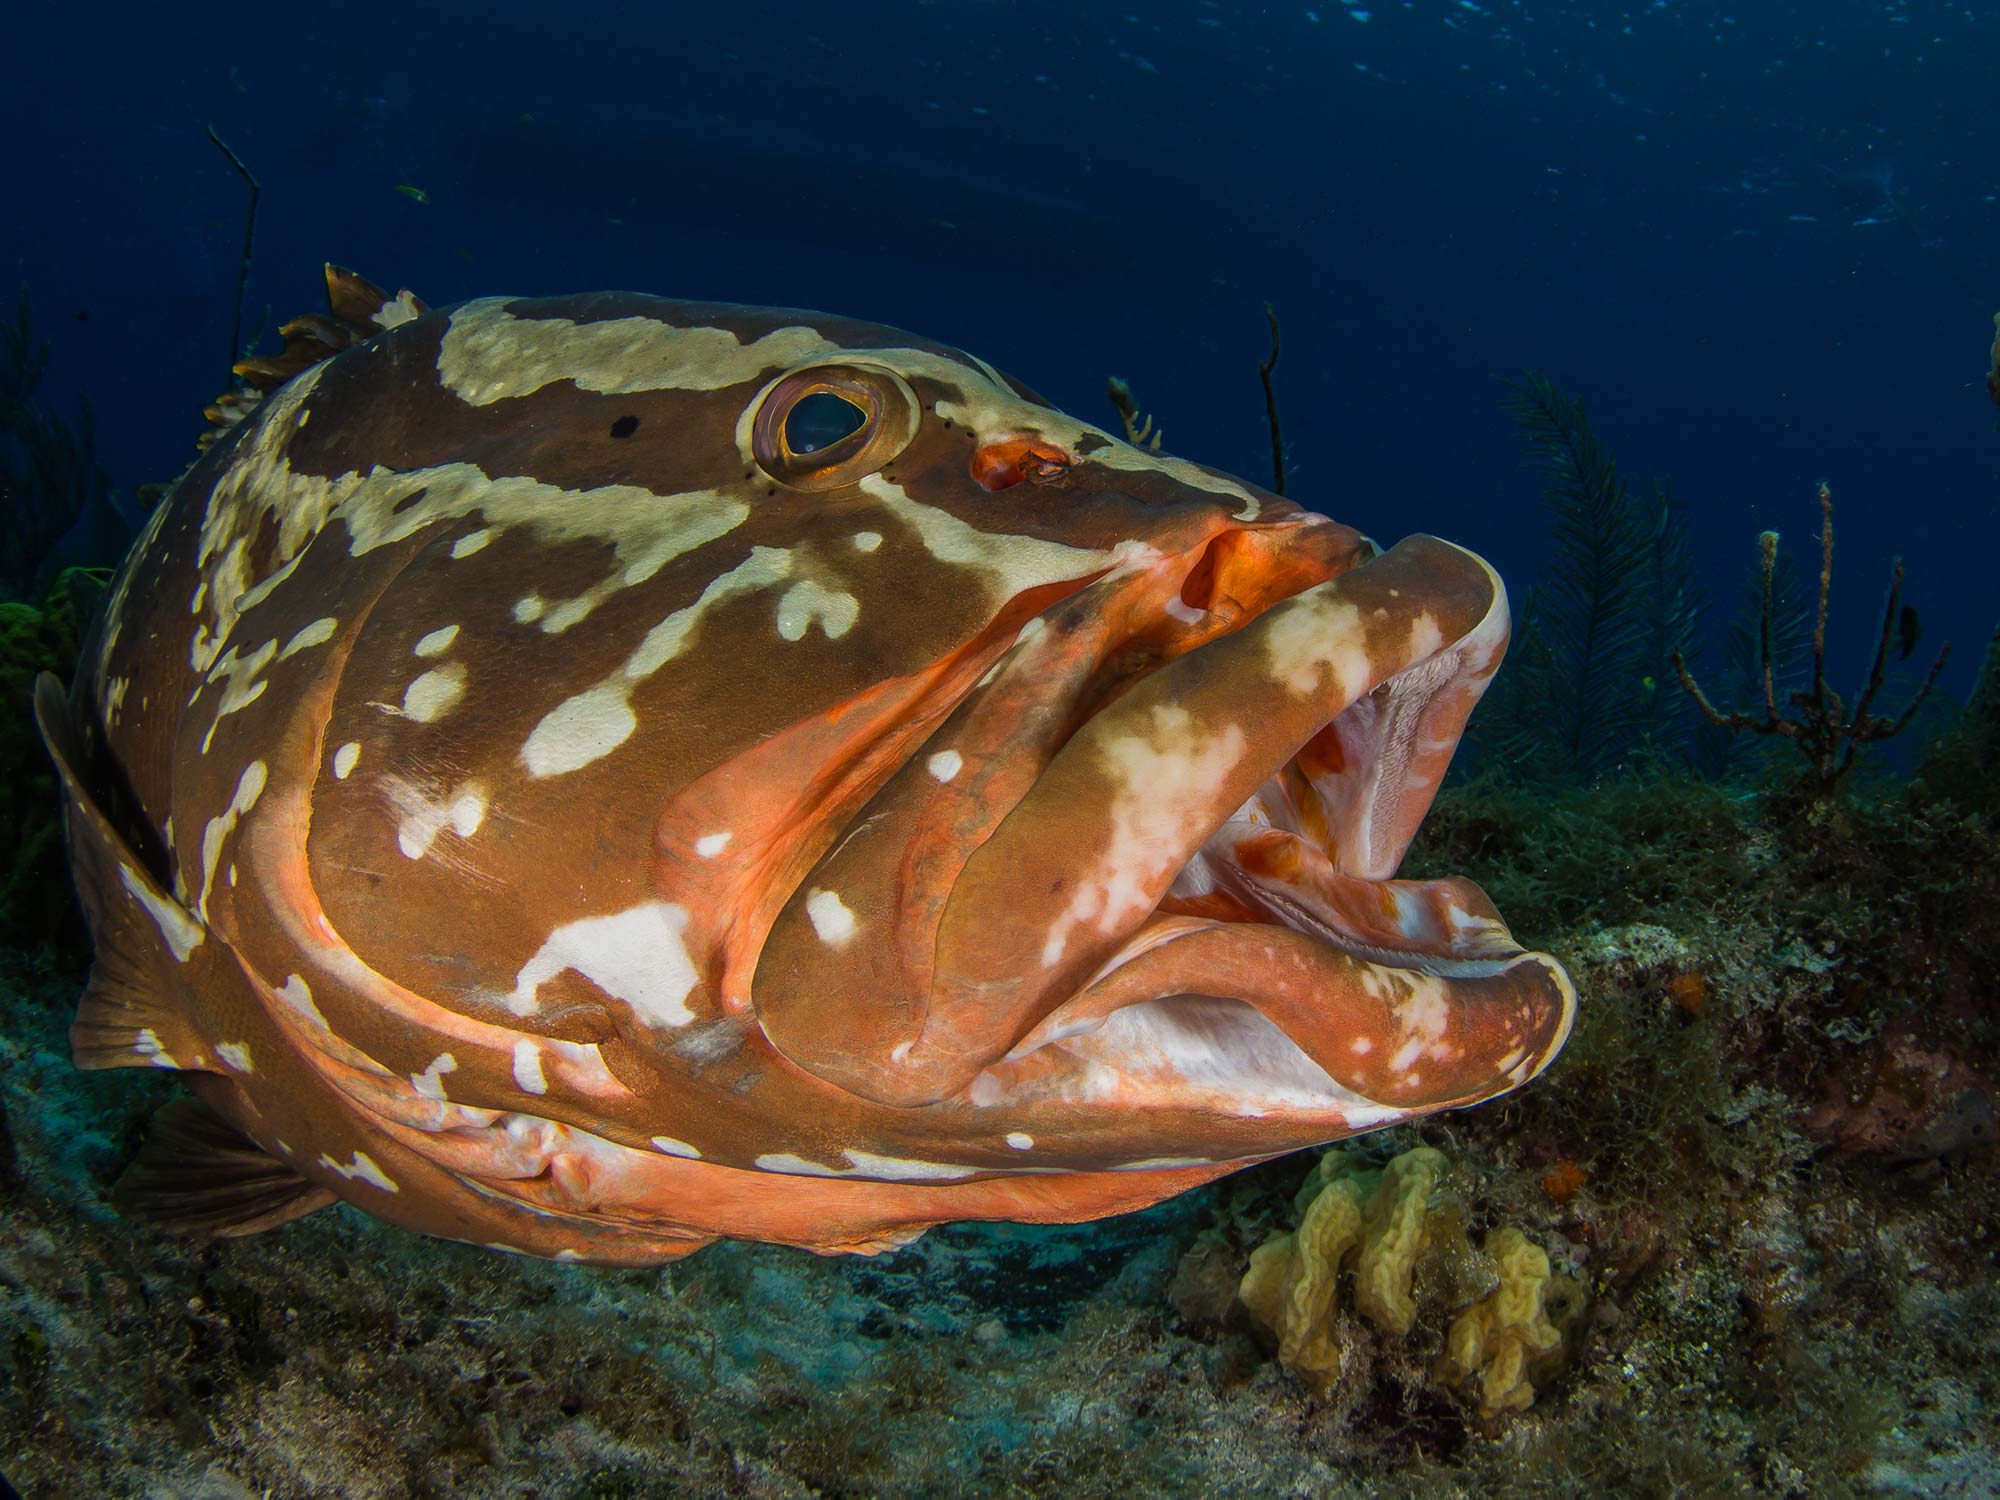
1257, 1086
1290, 782
1213, 571
1218, 609
1350, 905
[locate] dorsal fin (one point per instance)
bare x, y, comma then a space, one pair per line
135, 1012
199, 1174
359, 310
354, 299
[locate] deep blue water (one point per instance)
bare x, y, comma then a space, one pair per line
1762, 238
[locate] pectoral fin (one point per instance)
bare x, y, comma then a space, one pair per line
136, 1010
198, 1174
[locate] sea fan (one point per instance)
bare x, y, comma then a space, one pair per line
1596, 631
1673, 609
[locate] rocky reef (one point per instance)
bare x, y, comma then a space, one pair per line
1741, 1240
1399, 1235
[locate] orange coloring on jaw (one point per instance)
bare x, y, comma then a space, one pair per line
1217, 906
1322, 755
1274, 856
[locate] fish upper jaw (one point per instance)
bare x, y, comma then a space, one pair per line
1220, 824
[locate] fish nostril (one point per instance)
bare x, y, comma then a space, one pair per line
1245, 570
1198, 588
993, 471
1230, 575
1005, 462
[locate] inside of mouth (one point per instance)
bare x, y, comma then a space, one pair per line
1314, 850
1276, 860
1198, 1053
1316, 847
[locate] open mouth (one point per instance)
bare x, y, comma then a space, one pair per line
1280, 968
1148, 860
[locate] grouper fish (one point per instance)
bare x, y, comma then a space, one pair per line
594, 775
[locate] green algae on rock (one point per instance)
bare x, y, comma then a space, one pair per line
36, 903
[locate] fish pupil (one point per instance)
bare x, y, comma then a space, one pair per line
820, 420
625, 426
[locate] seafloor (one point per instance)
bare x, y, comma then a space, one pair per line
1766, 1158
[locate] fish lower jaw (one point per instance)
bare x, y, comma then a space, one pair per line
1233, 1041
1286, 983
1203, 1058
1296, 1003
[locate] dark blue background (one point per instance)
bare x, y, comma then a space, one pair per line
1761, 239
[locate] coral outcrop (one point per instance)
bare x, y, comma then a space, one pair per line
1498, 1342
1398, 1236
1964, 765
1819, 723
1903, 1100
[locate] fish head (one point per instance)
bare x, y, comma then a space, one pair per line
759, 746
1113, 826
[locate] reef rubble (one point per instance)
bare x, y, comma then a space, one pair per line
1784, 1287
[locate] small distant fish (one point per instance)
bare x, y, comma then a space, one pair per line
415, 193
1909, 630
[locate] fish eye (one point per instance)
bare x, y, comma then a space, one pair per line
820, 420
831, 425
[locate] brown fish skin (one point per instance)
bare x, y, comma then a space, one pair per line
538, 807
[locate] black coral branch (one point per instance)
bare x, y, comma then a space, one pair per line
1615, 602
1818, 722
